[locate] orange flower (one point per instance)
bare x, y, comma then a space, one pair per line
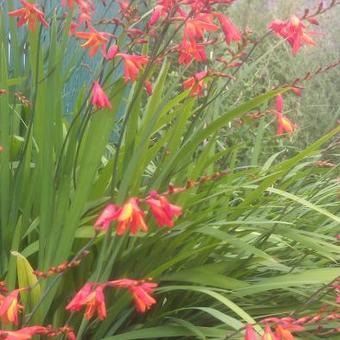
92, 296
195, 83
140, 290
284, 125
95, 40
29, 14
99, 97
10, 308
133, 65
162, 210
293, 30
283, 333
130, 216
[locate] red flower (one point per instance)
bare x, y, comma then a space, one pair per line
25, 333
284, 125
133, 65
230, 31
293, 30
195, 83
30, 13
106, 217
95, 40
250, 333
92, 296
140, 290
195, 28
130, 216
189, 51
268, 334
99, 98
9, 307
163, 211
1, 148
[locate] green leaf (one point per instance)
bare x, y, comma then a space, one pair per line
26, 279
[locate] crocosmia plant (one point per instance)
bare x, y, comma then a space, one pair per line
151, 185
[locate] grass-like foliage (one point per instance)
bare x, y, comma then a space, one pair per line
138, 163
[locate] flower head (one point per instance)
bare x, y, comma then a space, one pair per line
140, 290
293, 30
163, 211
283, 333
30, 14
195, 83
132, 65
106, 217
99, 97
284, 125
189, 51
268, 334
195, 28
94, 41
10, 307
91, 296
130, 216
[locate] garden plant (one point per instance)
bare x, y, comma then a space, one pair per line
151, 183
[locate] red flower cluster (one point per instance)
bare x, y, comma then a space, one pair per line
27, 333
286, 326
293, 30
131, 216
91, 296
